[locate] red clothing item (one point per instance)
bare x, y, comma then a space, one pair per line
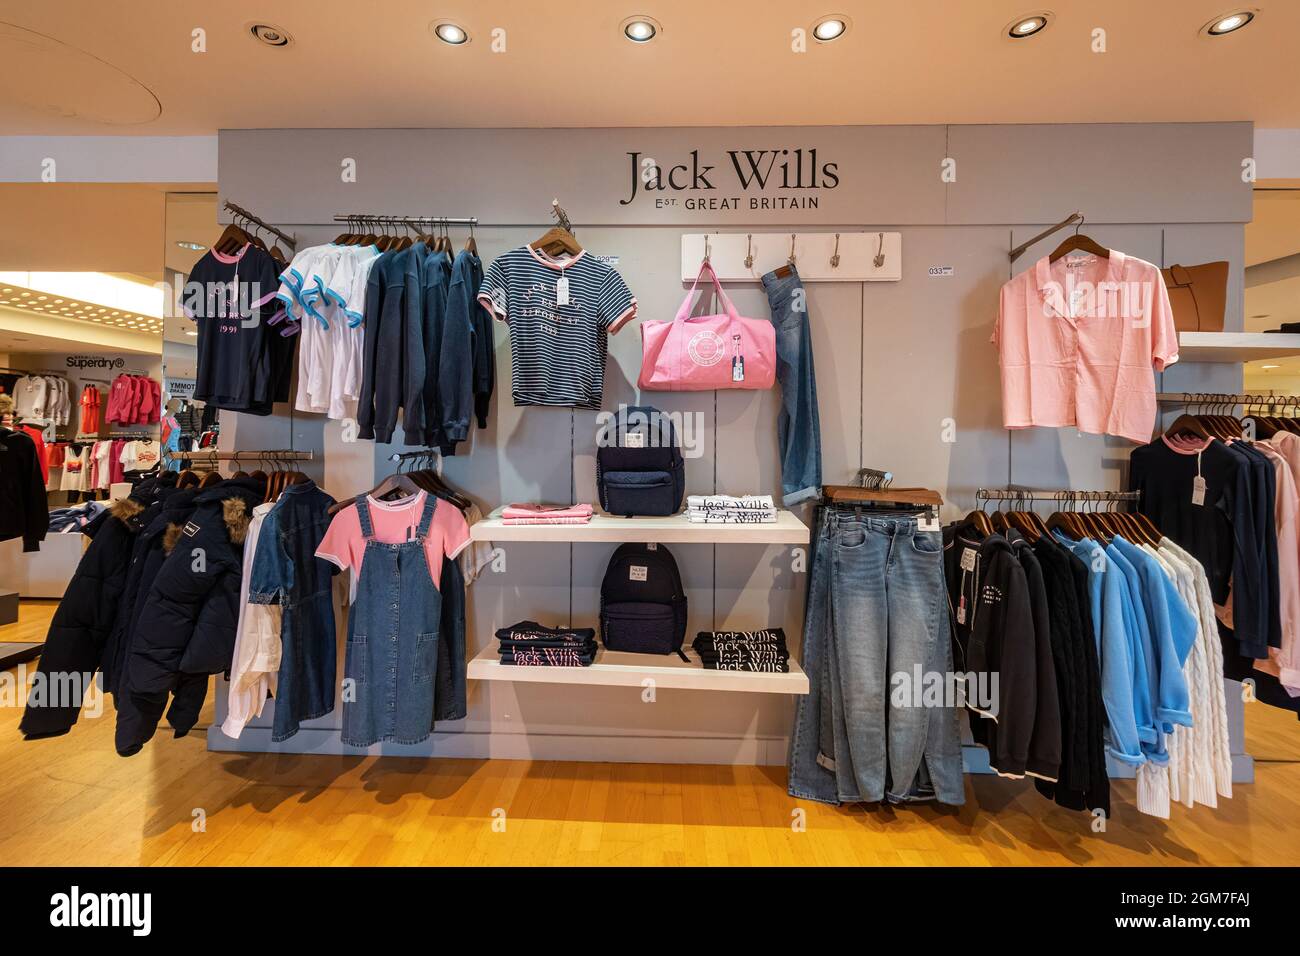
39, 439
89, 410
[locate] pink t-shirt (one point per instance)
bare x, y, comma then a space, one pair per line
1077, 340
395, 522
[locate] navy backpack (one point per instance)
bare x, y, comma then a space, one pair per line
642, 602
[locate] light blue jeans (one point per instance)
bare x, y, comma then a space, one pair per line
798, 428
876, 615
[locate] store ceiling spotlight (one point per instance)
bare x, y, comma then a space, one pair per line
194, 246
1031, 24
640, 29
830, 28
452, 33
269, 35
1228, 23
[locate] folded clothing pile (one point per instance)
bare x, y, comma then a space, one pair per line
531, 644
64, 520
545, 514
727, 509
763, 650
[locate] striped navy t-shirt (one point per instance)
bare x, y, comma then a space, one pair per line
557, 351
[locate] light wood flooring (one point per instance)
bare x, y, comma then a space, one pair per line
73, 801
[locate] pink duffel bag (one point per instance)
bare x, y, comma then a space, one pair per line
709, 351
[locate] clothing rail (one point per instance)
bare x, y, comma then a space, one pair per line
206, 454
1029, 494
1223, 398
408, 455
1069, 220
243, 213
409, 220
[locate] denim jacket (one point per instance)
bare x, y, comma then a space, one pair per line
287, 572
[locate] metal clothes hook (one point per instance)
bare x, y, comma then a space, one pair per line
835, 256
791, 259
879, 260
749, 251
707, 247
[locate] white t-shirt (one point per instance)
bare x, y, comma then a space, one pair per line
328, 289
102, 452
139, 455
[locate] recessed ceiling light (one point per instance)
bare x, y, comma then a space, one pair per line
191, 332
269, 34
1228, 23
1022, 28
194, 246
452, 33
1270, 366
1262, 315
640, 29
830, 28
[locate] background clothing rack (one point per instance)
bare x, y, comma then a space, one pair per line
409, 220
1062, 495
243, 213
271, 454
1224, 398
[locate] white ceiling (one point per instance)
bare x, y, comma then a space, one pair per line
94, 67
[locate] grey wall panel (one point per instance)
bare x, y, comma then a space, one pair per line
1139, 172
929, 378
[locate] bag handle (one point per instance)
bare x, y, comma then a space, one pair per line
683, 314
1180, 276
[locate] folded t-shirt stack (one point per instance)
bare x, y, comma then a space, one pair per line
531, 644
763, 650
727, 509
545, 514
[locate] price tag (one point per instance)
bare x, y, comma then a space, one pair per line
968, 559
562, 290
1198, 490
961, 610
928, 524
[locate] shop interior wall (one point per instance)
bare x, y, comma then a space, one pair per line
907, 381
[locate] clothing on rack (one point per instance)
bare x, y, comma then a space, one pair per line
232, 298
37, 435
756, 651
132, 400
76, 468
560, 312
23, 508
42, 396
79, 631
1077, 341
875, 609
90, 405
535, 645
293, 651
728, 509
1218, 500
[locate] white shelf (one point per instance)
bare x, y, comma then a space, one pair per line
1235, 346
676, 529
619, 669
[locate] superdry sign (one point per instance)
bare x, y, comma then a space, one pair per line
754, 179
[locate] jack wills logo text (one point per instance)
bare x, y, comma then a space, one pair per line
756, 169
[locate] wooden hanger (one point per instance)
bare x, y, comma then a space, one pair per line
470, 245
231, 240
1079, 243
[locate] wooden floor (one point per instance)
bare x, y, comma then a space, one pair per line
73, 801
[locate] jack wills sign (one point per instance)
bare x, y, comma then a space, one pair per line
754, 179
674, 176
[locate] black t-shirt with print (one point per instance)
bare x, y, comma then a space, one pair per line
230, 298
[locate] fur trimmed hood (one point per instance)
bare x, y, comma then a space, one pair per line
124, 509
234, 512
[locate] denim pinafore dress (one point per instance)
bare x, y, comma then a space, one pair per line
392, 649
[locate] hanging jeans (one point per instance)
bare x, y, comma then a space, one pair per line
876, 636
798, 428
392, 649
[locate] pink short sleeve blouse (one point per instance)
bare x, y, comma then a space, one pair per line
1078, 340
